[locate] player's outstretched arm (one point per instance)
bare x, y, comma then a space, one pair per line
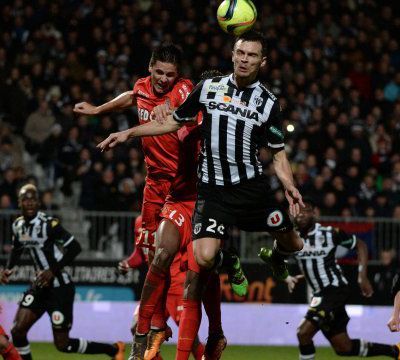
292, 281
362, 253
151, 128
285, 175
121, 102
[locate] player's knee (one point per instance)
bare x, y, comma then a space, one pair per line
205, 257
304, 336
163, 258
18, 332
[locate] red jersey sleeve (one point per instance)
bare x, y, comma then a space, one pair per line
180, 92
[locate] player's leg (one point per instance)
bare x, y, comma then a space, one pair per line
305, 335
24, 319
344, 346
7, 349
65, 344
59, 305
154, 293
286, 243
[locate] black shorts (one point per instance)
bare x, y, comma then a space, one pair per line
57, 302
250, 206
327, 310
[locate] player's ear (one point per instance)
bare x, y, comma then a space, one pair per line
264, 61
150, 68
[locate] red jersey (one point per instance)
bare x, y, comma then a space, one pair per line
184, 186
161, 152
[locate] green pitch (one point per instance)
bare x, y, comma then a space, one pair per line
45, 351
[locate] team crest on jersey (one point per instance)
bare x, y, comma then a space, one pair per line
258, 101
315, 301
275, 218
57, 318
197, 228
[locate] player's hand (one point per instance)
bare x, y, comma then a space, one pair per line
4, 276
85, 108
161, 112
294, 199
44, 278
365, 286
394, 323
123, 267
113, 140
292, 281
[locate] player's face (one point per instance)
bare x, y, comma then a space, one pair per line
29, 204
305, 217
163, 76
247, 59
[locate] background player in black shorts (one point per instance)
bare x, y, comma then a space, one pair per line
330, 289
51, 248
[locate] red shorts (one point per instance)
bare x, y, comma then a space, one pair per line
175, 306
180, 213
154, 195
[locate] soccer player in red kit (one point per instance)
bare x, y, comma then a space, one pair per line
7, 349
174, 301
161, 153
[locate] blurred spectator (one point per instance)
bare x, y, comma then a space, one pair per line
383, 278
47, 201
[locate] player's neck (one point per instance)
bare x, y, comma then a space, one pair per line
242, 82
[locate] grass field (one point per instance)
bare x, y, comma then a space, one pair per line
45, 351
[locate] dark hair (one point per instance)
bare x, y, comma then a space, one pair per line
308, 200
209, 74
167, 53
256, 37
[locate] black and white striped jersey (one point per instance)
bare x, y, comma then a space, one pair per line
236, 123
317, 260
44, 238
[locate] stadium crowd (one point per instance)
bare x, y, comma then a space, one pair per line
335, 66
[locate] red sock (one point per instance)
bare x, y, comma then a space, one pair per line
198, 351
152, 293
159, 319
212, 304
188, 328
10, 353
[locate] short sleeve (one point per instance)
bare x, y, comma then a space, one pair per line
274, 128
189, 109
58, 234
343, 239
181, 92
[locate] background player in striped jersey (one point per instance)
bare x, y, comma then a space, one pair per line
330, 289
51, 248
174, 301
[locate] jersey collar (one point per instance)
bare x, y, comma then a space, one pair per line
232, 82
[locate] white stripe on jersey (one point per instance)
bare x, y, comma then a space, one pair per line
246, 151
231, 129
322, 272
310, 272
219, 178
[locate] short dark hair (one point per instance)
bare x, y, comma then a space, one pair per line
167, 53
209, 74
256, 37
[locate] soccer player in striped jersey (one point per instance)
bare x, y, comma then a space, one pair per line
51, 248
330, 289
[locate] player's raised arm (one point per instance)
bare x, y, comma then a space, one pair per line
121, 102
151, 128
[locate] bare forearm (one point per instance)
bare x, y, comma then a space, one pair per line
154, 128
362, 254
396, 307
121, 102
283, 169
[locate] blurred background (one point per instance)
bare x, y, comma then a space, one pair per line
335, 66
